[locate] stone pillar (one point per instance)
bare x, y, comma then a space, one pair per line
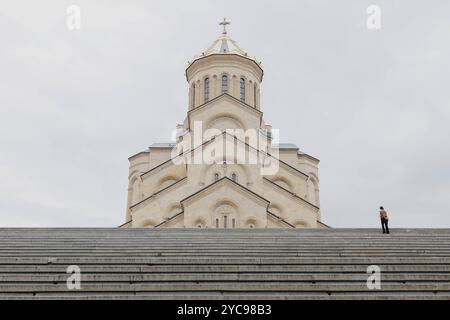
198, 93
250, 94
191, 97
215, 86
257, 96
233, 90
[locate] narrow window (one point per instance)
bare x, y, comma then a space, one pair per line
242, 91
234, 177
224, 83
225, 222
206, 89
233, 222
217, 223
216, 176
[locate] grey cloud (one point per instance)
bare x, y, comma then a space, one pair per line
372, 105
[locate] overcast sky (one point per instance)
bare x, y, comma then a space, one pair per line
372, 105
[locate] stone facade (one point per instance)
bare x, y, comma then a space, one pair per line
170, 188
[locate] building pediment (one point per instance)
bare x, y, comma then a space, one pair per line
225, 204
231, 186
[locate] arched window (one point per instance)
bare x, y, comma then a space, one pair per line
206, 89
234, 177
242, 89
233, 223
193, 95
224, 83
216, 176
217, 223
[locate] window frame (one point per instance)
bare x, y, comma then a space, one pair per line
224, 84
242, 89
206, 90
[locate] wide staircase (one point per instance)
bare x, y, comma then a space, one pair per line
224, 264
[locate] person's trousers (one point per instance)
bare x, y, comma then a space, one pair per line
384, 225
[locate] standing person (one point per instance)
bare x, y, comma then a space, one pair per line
384, 220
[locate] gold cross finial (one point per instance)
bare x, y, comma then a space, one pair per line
224, 23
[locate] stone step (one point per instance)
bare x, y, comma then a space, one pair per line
225, 260
209, 277
241, 268
250, 243
231, 296
224, 264
267, 286
187, 230
206, 251
227, 235
243, 255
213, 251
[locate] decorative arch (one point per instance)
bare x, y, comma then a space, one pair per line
223, 121
242, 172
312, 189
172, 210
283, 182
148, 223
276, 209
135, 174
300, 223
167, 181
251, 223
313, 175
200, 223
224, 214
134, 187
222, 202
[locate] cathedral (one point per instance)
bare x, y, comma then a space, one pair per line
225, 168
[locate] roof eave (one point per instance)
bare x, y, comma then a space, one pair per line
224, 54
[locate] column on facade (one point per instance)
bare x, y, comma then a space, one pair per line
250, 94
198, 93
191, 97
257, 97
234, 86
215, 86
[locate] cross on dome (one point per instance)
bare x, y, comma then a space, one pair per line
224, 23
224, 45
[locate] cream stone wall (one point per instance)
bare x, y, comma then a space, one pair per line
225, 112
168, 189
213, 68
225, 204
